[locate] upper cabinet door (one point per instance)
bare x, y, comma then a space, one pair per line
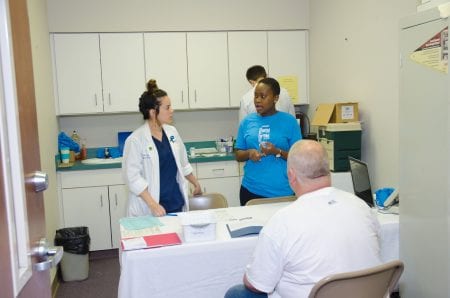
77, 73
208, 70
166, 62
288, 57
123, 71
245, 49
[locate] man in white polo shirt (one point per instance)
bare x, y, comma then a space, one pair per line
325, 231
255, 74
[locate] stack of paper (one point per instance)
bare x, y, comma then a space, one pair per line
145, 232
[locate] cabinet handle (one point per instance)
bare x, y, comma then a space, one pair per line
101, 201
115, 196
195, 95
95, 97
182, 96
109, 98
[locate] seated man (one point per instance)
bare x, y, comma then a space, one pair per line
325, 231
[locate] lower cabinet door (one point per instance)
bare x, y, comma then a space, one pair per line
227, 186
89, 206
118, 197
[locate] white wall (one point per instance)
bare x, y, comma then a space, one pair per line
100, 131
47, 124
175, 15
354, 56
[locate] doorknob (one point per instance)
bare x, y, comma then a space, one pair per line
39, 180
49, 256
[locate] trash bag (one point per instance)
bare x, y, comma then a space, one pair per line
74, 240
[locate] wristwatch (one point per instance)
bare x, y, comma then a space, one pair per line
278, 154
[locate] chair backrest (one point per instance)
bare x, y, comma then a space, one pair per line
270, 200
208, 201
375, 282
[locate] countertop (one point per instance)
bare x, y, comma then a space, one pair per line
91, 153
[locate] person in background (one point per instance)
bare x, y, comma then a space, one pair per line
155, 164
263, 142
325, 231
255, 74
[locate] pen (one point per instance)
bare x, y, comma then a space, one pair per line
171, 214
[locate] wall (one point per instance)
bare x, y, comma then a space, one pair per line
102, 131
354, 56
175, 15
47, 125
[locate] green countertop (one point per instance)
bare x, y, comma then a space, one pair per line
91, 152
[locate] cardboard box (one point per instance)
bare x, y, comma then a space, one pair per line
341, 112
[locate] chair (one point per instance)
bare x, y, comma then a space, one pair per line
208, 201
270, 200
375, 282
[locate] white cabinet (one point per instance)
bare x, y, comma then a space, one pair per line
118, 197
208, 70
221, 177
96, 73
166, 61
77, 71
288, 56
245, 49
123, 71
95, 199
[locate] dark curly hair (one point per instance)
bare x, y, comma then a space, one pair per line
151, 99
272, 83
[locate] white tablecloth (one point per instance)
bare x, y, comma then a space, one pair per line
208, 269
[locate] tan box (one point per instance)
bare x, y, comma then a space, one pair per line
340, 112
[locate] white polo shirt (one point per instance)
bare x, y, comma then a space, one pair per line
324, 232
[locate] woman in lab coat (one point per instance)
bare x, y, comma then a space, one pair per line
155, 164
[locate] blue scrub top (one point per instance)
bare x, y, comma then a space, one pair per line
170, 196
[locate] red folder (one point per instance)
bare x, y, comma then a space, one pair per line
152, 241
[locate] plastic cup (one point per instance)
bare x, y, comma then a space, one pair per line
65, 154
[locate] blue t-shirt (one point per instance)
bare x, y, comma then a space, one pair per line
267, 177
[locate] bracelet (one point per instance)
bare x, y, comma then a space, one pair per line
278, 154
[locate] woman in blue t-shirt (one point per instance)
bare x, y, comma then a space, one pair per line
263, 141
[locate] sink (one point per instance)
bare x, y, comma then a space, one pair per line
101, 161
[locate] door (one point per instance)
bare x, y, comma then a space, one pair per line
166, 61
288, 57
89, 206
245, 49
77, 73
118, 196
123, 70
18, 279
208, 70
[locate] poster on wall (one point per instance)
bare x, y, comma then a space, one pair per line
290, 83
434, 52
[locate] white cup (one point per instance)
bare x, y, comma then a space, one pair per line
65, 155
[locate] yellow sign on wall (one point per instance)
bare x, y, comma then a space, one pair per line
290, 83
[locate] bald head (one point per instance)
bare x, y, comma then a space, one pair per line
308, 167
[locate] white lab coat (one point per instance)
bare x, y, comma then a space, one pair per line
140, 167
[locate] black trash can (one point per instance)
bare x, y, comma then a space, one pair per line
75, 261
